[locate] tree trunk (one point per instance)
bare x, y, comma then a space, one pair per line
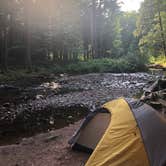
85, 50
28, 60
93, 29
28, 49
1, 50
99, 30
4, 49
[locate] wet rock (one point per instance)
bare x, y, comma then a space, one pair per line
8, 87
6, 104
54, 85
38, 97
59, 102
62, 75
70, 117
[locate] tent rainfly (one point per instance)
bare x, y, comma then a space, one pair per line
124, 132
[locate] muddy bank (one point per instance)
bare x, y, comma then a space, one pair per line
62, 100
48, 149
28, 123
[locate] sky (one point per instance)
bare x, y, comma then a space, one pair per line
130, 5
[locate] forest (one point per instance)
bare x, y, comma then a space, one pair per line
82, 82
85, 35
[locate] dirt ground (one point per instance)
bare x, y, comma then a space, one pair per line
49, 149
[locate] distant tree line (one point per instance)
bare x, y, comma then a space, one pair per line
46, 32
151, 28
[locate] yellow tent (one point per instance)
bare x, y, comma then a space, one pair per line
135, 136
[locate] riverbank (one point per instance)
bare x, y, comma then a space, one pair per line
47, 106
38, 106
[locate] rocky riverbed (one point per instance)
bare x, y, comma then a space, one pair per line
35, 106
46, 105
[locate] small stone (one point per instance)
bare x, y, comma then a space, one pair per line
51, 122
51, 138
6, 104
38, 97
70, 117
62, 75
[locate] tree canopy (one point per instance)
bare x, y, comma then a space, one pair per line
38, 32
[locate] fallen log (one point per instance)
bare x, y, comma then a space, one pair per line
155, 95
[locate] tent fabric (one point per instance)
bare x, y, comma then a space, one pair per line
94, 131
153, 130
74, 140
135, 135
122, 144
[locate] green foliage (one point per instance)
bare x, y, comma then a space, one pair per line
159, 60
136, 61
151, 28
127, 26
127, 64
130, 63
69, 32
20, 73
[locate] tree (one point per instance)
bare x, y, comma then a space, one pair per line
161, 27
129, 42
151, 27
36, 32
6, 17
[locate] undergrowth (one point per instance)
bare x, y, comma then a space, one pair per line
160, 60
121, 65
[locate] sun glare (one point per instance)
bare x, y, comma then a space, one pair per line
130, 5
